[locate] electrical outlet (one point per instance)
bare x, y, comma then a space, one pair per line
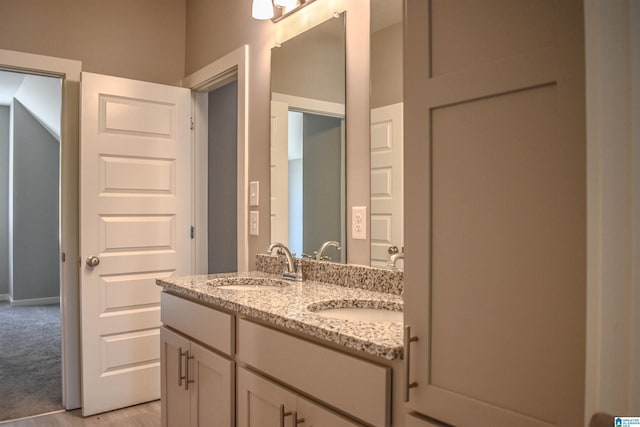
254, 220
359, 222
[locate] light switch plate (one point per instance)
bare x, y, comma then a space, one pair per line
254, 193
254, 220
359, 222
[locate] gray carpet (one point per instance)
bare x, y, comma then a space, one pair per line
30, 364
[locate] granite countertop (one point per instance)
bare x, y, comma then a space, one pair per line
285, 305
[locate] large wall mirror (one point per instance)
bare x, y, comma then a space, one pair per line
387, 229
308, 140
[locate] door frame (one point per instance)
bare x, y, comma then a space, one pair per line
233, 66
69, 71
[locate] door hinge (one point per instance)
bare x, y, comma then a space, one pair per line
193, 232
192, 124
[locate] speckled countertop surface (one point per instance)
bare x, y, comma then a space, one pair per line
285, 304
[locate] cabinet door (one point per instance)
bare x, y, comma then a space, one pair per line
315, 415
260, 402
495, 278
175, 399
212, 388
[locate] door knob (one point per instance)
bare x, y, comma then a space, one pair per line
393, 250
93, 260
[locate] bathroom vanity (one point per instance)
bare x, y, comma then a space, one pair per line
247, 348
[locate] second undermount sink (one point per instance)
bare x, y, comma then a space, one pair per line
247, 283
359, 310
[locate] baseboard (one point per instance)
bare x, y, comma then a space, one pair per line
35, 301
5, 297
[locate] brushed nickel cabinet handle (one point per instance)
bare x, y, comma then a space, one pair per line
180, 376
408, 339
187, 379
283, 414
295, 418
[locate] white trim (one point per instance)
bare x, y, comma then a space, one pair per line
29, 417
634, 392
5, 297
612, 383
200, 182
210, 77
35, 301
69, 70
310, 105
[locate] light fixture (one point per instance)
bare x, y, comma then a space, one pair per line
263, 9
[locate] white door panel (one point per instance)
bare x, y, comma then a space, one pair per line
386, 182
279, 172
135, 216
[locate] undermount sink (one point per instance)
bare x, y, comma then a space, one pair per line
359, 310
247, 283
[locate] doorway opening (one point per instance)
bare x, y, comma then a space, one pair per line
30, 315
225, 82
222, 185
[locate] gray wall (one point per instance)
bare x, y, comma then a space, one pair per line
4, 199
322, 182
36, 159
222, 183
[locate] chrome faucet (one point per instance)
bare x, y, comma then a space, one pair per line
393, 259
325, 245
291, 272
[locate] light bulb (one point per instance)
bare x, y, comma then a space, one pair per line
285, 3
262, 9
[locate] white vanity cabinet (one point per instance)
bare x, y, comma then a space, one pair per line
354, 386
197, 383
220, 369
265, 403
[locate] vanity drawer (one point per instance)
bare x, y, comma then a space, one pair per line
353, 385
207, 325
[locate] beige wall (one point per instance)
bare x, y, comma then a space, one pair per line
386, 66
165, 40
141, 39
215, 29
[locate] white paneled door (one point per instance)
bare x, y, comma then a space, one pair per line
135, 221
279, 172
386, 182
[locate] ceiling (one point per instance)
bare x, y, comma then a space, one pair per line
9, 84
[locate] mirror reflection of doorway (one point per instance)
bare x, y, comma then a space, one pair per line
316, 182
30, 346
